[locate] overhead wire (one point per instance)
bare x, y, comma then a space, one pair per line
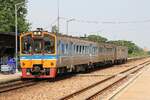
109, 22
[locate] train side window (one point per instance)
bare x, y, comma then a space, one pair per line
101, 49
85, 49
83, 52
88, 51
66, 49
62, 48
92, 50
107, 50
77, 49
96, 50
74, 49
104, 51
58, 46
80, 51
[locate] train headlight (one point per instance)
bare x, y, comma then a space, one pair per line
34, 33
37, 33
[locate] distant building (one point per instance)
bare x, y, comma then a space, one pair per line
146, 49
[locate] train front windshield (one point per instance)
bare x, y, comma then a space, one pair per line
37, 45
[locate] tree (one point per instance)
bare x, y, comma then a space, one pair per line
7, 16
54, 29
132, 47
95, 38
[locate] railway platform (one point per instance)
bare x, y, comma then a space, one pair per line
138, 89
9, 77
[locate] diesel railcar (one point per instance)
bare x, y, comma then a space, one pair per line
44, 54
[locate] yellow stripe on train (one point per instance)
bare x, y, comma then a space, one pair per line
46, 63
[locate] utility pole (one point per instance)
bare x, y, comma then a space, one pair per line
16, 31
58, 14
67, 23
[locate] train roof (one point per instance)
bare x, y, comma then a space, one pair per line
79, 38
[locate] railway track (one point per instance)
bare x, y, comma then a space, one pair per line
98, 89
18, 84
12, 85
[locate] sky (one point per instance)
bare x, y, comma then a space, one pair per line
43, 14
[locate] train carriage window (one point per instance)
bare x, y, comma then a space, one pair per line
70, 48
88, 51
83, 50
74, 48
77, 49
66, 49
49, 44
26, 44
108, 51
80, 50
104, 50
37, 46
62, 48
92, 50
100, 49
96, 51
58, 46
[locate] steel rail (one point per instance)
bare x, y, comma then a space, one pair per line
113, 84
15, 85
100, 82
